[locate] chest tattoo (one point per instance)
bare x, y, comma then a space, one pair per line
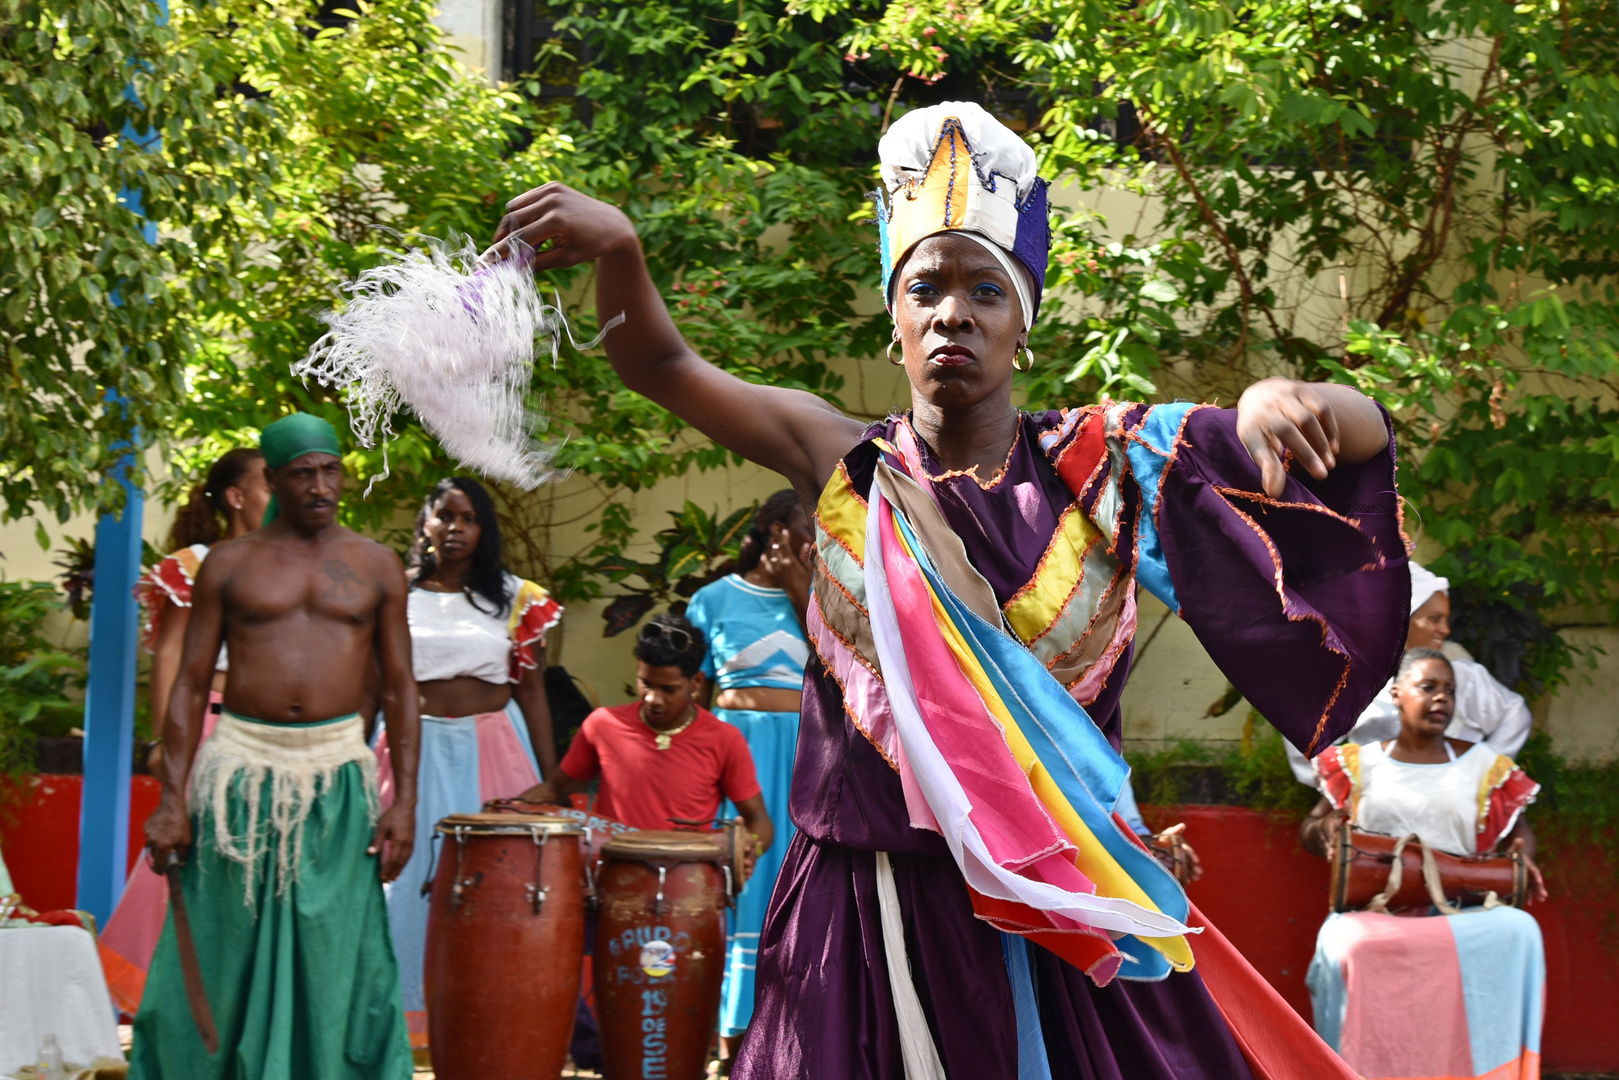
342, 583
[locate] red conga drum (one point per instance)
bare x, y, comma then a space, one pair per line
505, 941
660, 953
597, 829
1363, 868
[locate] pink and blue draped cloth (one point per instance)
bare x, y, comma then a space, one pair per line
1459, 997
961, 715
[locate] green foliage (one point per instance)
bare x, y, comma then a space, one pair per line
1253, 773
376, 128
41, 684
377, 125
696, 549
1415, 198
89, 305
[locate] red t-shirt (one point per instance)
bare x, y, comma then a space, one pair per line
643, 786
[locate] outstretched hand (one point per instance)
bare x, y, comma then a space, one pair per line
562, 226
1179, 857
395, 837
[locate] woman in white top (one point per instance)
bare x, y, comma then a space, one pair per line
1476, 1009
229, 503
1484, 712
477, 645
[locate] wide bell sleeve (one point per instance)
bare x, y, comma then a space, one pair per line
1488, 712
1302, 600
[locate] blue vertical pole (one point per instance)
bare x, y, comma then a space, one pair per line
109, 702
109, 708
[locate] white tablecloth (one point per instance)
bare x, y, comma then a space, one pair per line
51, 983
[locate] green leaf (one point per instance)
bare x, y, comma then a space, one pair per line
1158, 289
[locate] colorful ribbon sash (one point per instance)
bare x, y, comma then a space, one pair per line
1009, 768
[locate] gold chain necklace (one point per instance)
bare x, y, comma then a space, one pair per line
665, 739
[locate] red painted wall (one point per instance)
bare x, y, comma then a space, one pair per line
1258, 887
39, 834
1269, 898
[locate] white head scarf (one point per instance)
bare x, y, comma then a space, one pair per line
1425, 585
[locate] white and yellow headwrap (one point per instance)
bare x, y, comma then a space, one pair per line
955, 168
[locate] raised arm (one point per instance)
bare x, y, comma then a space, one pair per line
401, 711
168, 829
789, 431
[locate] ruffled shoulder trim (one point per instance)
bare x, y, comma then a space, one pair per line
168, 582
1338, 774
534, 612
1502, 795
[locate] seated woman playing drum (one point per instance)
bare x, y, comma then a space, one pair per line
1415, 997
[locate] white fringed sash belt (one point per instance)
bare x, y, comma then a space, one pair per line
301, 761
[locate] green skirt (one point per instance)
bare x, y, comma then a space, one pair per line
300, 974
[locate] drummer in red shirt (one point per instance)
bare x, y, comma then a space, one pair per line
663, 760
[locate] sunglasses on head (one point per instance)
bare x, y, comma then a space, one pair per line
674, 635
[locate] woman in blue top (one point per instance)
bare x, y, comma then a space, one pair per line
754, 621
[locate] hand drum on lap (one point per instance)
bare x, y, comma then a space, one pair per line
1363, 865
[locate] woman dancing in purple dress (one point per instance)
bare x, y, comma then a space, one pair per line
958, 901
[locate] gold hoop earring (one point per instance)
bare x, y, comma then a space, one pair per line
1025, 351
889, 352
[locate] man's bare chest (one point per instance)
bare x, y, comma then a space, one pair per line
330, 589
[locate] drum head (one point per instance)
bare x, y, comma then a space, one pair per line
665, 846
508, 825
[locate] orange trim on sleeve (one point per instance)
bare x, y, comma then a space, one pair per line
168, 582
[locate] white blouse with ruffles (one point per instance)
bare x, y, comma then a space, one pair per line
451, 637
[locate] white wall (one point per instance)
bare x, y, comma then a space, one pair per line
1583, 717
473, 28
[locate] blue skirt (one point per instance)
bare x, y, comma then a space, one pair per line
773, 740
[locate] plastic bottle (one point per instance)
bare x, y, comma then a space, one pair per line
50, 1060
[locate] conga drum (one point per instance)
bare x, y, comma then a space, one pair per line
505, 944
598, 830
660, 953
1363, 868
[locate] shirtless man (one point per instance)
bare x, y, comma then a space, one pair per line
276, 821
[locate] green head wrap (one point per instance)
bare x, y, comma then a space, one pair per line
292, 437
